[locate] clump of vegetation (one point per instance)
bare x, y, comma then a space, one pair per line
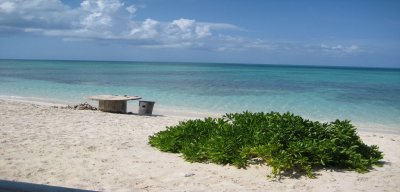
286, 142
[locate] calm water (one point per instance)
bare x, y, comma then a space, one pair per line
369, 96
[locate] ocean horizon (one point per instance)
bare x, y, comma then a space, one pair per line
367, 96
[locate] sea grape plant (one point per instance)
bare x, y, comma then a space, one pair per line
286, 142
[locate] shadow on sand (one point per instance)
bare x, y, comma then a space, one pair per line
14, 186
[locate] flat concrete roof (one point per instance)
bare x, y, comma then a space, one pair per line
113, 97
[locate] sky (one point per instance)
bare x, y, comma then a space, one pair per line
308, 32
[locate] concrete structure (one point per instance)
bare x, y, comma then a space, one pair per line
113, 103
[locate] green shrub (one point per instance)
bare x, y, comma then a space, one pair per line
288, 143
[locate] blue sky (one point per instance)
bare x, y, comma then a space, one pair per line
344, 33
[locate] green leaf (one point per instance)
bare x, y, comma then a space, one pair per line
286, 142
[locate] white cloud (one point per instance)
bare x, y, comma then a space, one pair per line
99, 16
338, 49
188, 29
103, 19
147, 29
203, 31
217, 26
7, 7
183, 24
131, 9
115, 20
180, 29
234, 43
47, 14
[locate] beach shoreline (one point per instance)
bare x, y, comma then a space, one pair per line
185, 112
94, 150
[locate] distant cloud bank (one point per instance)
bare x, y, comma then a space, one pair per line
103, 19
115, 20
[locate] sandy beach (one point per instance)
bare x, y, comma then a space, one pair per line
93, 150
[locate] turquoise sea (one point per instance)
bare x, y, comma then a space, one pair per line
367, 96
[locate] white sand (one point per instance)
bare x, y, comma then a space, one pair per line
109, 152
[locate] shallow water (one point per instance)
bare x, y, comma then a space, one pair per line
365, 95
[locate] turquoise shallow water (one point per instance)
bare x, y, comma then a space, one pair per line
366, 95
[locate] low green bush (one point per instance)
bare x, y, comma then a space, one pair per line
288, 143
